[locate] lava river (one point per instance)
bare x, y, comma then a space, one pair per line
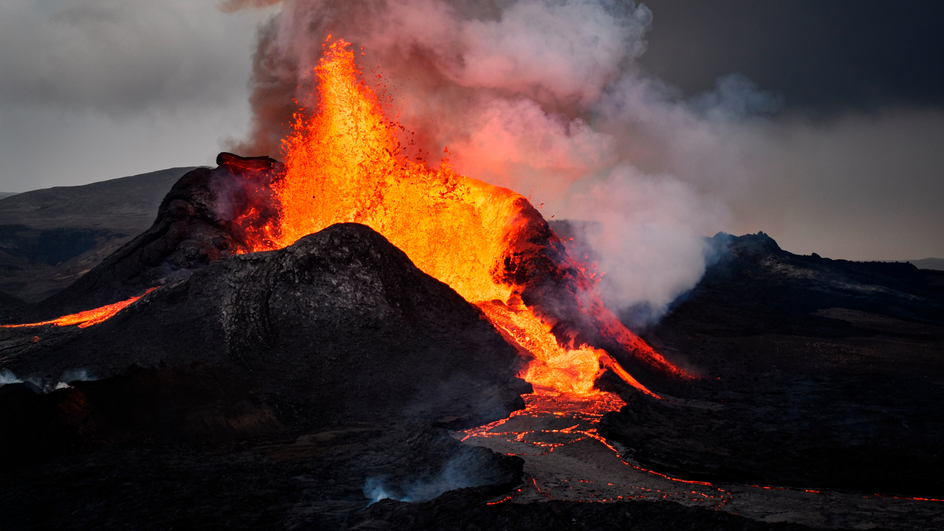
566, 459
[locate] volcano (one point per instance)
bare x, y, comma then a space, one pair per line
350, 339
341, 322
343, 164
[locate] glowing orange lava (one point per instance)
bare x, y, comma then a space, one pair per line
344, 164
87, 318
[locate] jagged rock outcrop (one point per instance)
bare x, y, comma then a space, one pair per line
753, 282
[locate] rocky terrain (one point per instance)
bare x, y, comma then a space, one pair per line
291, 389
335, 356
816, 373
193, 228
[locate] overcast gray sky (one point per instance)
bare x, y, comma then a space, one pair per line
851, 167
98, 89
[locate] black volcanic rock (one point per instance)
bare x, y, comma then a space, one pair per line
340, 324
198, 402
816, 373
211, 214
323, 368
812, 436
754, 283
10, 306
303, 375
465, 509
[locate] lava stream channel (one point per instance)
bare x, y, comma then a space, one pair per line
566, 459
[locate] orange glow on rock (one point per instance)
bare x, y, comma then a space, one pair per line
87, 318
344, 164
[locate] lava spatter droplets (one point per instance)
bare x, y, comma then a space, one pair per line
343, 164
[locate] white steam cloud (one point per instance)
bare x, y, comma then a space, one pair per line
456, 473
646, 237
47, 386
543, 97
70, 375
7, 377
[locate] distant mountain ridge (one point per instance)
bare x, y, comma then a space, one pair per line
50, 237
936, 264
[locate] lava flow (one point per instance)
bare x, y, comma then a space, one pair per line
345, 164
87, 318
568, 459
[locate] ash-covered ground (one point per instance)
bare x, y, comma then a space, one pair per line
292, 388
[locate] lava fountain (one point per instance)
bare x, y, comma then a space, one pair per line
343, 163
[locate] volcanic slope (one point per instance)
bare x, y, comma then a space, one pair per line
293, 351
340, 324
210, 214
335, 355
193, 228
51, 237
817, 373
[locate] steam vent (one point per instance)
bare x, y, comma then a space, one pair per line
350, 339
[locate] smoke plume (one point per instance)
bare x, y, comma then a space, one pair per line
543, 97
456, 473
7, 377
231, 6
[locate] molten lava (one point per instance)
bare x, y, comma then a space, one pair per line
344, 164
87, 318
